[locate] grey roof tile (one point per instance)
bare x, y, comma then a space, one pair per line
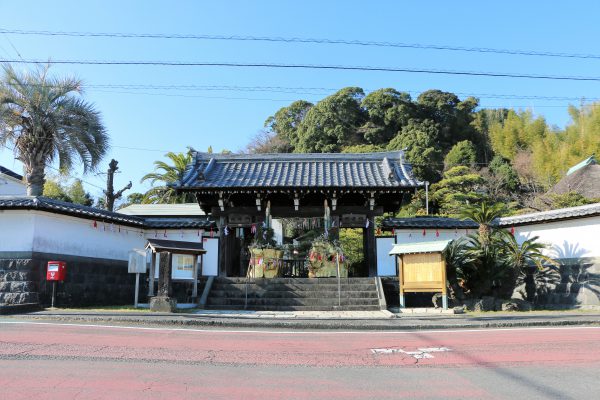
60, 207
589, 210
368, 170
427, 222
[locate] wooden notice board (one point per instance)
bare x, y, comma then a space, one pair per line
424, 272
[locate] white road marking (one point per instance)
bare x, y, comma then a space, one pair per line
313, 332
420, 354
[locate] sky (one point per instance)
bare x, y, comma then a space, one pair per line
144, 123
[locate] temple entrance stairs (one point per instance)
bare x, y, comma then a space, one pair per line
294, 294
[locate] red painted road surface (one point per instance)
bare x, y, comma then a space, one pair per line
50, 361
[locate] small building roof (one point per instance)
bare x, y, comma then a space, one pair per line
585, 180
589, 210
210, 172
175, 246
12, 174
162, 210
422, 247
588, 161
41, 203
428, 222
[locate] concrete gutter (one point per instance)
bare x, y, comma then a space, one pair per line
413, 322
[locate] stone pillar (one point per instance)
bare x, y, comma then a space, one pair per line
162, 302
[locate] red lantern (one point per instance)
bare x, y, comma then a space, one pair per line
437, 233
95, 224
424, 232
512, 230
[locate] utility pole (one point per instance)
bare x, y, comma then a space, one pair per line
110, 194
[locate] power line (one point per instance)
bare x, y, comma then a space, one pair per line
309, 66
61, 172
247, 38
302, 91
316, 91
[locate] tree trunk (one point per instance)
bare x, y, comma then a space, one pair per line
35, 178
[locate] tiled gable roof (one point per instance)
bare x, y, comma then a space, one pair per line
368, 170
60, 207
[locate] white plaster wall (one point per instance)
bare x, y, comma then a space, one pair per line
27, 230
11, 187
61, 234
573, 238
16, 230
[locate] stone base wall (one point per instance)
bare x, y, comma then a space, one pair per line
18, 282
89, 281
576, 282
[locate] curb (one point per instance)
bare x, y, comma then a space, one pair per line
307, 323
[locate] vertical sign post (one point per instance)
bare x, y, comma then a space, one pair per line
137, 265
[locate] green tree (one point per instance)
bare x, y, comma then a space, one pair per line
284, 126
73, 193
483, 214
569, 199
454, 116
462, 153
362, 148
502, 169
45, 119
54, 190
388, 110
332, 123
78, 194
460, 187
420, 141
351, 241
518, 131
165, 174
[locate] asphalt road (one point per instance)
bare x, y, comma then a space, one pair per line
58, 361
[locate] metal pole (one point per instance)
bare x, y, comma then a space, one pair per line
53, 293
137, 288
337, 260
426, 198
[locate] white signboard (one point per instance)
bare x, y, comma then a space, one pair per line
183, 266
210, 265
137, 262
386, 264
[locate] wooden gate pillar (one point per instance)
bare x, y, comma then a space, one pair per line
369, 247
223, 247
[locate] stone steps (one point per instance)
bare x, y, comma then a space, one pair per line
261, 293
291, 294
300, 308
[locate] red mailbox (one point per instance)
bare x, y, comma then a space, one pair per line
56, 271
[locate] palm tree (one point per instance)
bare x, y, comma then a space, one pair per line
483, 214
528, 253
45, 119
166, 174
